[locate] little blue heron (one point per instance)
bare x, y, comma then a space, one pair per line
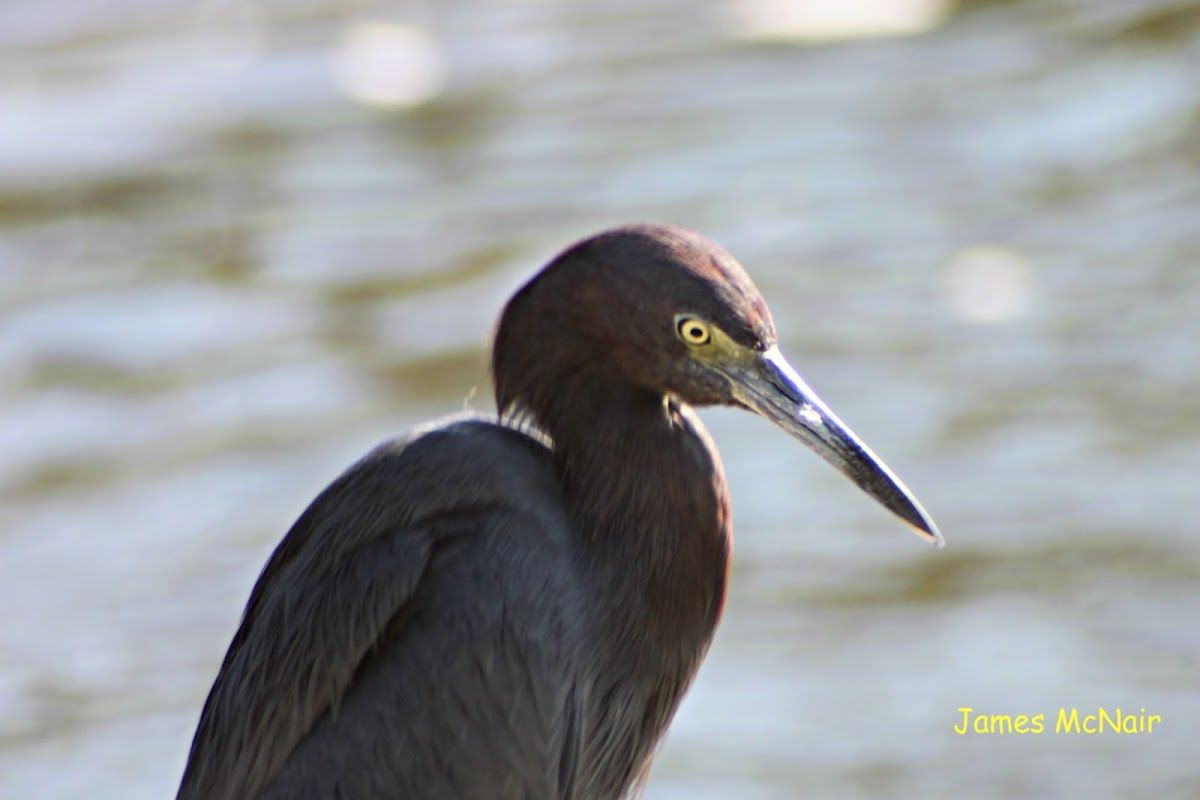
512, 608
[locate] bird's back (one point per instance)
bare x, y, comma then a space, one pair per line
420, 632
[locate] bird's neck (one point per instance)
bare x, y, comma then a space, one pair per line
649, 495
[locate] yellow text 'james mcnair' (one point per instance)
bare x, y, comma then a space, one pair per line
1068, 720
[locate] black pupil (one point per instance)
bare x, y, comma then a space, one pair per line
695, 331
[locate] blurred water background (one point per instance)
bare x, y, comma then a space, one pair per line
241, 242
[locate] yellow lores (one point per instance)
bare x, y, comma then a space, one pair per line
1068, 721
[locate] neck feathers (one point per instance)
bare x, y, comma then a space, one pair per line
648, 493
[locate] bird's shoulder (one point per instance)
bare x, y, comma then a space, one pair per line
389, 536
450, 467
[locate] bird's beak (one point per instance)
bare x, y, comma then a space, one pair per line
768, 385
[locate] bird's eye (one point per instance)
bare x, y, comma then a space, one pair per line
692, 331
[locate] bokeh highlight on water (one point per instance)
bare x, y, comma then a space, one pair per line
241, 243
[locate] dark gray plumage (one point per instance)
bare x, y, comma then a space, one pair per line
471, 612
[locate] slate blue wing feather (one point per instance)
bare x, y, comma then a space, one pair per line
385, 633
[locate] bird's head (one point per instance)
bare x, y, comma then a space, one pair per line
670, 312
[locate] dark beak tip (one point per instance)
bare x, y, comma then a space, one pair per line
771, 387
929, 532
